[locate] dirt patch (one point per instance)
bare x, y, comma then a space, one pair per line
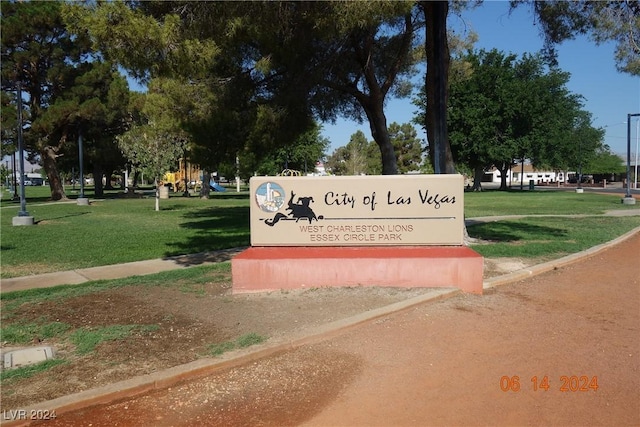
498, 266
177, 324
560, 348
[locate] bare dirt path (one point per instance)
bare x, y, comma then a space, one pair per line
562, 348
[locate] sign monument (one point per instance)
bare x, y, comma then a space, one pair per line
384, 230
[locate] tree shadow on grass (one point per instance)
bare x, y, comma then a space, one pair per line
229, 196
510, 231
47, 219
28, 200
215, 229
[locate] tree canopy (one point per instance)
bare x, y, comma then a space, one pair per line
283, 63
617, 21
508, 109
155, 140
67, 88
359, 156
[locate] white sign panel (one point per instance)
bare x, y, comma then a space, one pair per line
357, 210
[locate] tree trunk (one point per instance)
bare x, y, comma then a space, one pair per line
205, 190
97, 181
50, 165
108, 173
136, 178
157, 194
380, 134
504, 170
478, 174
437, 77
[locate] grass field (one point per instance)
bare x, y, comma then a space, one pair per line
115, 230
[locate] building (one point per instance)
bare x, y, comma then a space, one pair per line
523, 175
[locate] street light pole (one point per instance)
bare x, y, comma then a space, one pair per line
23, 217
628, 199
635, 175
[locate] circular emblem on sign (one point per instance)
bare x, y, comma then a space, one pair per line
270, 196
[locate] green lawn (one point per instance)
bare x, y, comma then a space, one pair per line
115, 230
490, 203
111, 231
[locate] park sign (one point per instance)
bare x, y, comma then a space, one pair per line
381, 210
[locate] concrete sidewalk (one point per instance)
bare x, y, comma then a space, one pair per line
117, 271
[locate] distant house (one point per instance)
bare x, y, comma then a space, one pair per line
517, 175
32, 178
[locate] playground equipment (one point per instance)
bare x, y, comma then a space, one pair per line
216, 187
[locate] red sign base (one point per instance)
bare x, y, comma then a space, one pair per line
260, 269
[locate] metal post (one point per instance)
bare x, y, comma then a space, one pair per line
23, 217
628, 194
23, 201
14, 176
81, 157
237, 174
635, 175
579, 186
628, 199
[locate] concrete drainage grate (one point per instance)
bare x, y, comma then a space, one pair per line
27, 356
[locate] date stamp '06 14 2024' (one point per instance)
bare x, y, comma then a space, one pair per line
28, 414
567, 383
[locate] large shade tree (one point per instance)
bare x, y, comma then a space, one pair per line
300, 157
94, 107
284, 61
616, 21
508, 109
39, 52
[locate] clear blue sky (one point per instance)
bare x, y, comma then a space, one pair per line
609, 95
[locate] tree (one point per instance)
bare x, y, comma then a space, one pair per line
9, 129
156, 141
436, 84
38, 51
300, 156
604, 162
508, 109
95, 105
292, 60
617, 21
406, 146
356, 158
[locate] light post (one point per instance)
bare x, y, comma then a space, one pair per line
82, 201
23, 217
579, 188
628, 199
237, 174
14, 176
635, 175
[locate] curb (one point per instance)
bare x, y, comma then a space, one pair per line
554, 264
203, 367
